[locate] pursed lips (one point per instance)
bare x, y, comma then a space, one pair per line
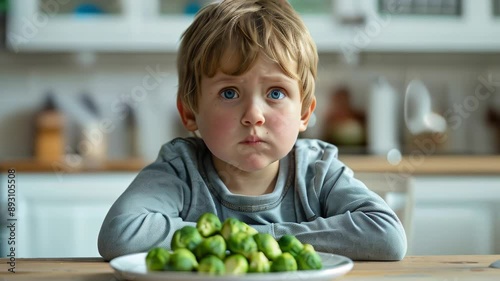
252, 140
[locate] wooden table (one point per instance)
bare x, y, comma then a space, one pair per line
436, 268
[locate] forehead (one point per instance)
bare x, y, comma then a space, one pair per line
234, 62
263, 71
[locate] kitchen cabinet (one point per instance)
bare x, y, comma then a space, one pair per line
476, 29
443, 214
61, 215
156, 26
456, 215
127, 25
456, 200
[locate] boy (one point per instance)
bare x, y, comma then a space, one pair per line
246, 87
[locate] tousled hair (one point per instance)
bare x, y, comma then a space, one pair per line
246, 28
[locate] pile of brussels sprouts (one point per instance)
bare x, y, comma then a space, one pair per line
232, 247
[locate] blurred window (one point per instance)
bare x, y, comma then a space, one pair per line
421, 7
82, 7
314, 7
182, 7
496, 8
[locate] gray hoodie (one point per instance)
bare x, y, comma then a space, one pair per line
316, 198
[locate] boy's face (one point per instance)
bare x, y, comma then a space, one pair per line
249, 121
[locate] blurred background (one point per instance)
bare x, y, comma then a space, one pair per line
112, 64
87, 94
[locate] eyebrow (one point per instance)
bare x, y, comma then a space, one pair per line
279, 77
224, 78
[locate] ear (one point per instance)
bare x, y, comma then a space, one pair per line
306, 115
187, 116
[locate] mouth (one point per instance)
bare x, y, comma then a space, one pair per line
252, 140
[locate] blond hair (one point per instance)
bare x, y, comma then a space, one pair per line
247, 28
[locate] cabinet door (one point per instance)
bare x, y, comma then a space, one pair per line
62, 217
456, 215
111, 25
474, 28
76, 25
454, 229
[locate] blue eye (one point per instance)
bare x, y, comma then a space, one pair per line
229, 94
276, 94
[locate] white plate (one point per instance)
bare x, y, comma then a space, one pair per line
133, 267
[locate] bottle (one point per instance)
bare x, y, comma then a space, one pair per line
382, 118
49, 133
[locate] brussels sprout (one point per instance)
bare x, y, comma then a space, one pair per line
248, 229
157, 259
242, 243
187, 237
230, 227
290, 244
213, 245
308, 259
236, 264
258, 262
208, 224
285, 262
212, 265
268, 245
233, 225
182, 260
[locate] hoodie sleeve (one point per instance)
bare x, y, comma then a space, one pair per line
342, 215
145, 215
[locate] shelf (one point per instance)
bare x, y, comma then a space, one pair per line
143, 26
430, 165
34, 166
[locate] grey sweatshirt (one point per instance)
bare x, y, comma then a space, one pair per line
316, 198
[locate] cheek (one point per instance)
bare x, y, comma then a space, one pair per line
285, 124
215, 124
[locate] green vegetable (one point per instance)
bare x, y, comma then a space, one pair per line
268, 245
212, 265
236, 264
187, 237
213, 245
233, 225
285, 262
157, 259
231, 248
242, 243
248, 229
208, 224
182, 260
230, 227
308, 259
290, 244
258, 262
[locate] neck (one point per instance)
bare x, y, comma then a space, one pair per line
248, 183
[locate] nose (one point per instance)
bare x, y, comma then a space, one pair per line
253, 115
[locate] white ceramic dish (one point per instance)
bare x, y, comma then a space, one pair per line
133, 267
